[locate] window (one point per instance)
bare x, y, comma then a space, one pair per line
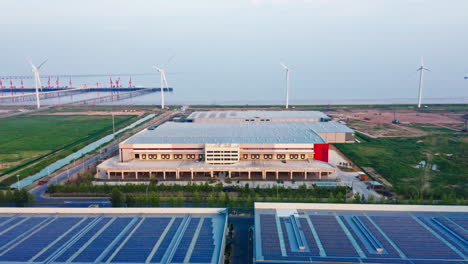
152, 156
302, 156
255, 156
293, 156
137, 156
267, 156
165, 156
280, 156
143, 156
246, 156
177, 156
190, 156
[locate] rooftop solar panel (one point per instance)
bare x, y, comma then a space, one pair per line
357, 236
113, 238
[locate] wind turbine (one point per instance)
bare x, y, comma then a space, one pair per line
421, 77
162, 76
37, 80
287, 84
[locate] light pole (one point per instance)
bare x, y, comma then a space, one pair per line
18, 184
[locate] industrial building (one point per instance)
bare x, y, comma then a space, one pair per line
112, 235
257, 116
237, 150
360, 233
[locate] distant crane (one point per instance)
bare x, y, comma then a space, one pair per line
162, 76
421, 76
37, 81
287, 84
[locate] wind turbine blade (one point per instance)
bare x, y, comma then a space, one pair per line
284, 66
168, 61
40, 65
32, 65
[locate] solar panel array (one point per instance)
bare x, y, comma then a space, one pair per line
357, 237
109, 239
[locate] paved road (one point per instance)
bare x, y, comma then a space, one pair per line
241, 250
349, 179
39, 191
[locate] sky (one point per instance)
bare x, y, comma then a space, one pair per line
230, 51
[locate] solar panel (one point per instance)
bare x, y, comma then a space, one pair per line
111, 238
204, 247
354, 237
33, 244
328, 230
141, 242
94, 249
421, 244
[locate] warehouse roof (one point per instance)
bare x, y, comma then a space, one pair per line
256, 114
229, 132
111, 235
329, 127
346, 233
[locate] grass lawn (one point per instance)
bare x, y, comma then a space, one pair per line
394, 159
431, 128
26, 137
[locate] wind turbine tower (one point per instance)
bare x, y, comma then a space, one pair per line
421, 78
162, 76
287, 84
37, 81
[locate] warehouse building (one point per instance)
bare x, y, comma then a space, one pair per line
257, 116
242, 151
112, 235
360, 233
273, 146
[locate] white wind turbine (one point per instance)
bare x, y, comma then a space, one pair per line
421, 77
287, 84
162, 76
37, 80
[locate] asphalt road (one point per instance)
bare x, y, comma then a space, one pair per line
241, 251
39, 190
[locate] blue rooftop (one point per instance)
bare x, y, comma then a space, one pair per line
292, 233
111, 238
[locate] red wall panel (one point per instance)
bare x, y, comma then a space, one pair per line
321, 152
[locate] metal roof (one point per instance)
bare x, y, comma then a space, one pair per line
257, 114
229, 132
329, 127
347, 233
121, 237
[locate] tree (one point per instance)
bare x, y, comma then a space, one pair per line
22, 197
357, 198
117, 198
196, 198
180, 199
211, 200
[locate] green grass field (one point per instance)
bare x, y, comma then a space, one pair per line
394, 159
26, 137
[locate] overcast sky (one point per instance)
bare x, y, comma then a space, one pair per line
231, 49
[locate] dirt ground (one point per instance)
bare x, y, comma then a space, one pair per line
378, 123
